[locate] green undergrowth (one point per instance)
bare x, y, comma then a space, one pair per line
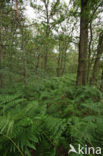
48, 115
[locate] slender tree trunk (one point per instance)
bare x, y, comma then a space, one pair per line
89, 54
1, 53
59, 61
83, 44
97, 60
38, 62
64, 59
61, 58
1, 75
45, 61
101, 85
46, 3
17, 12
21, 25
24, 59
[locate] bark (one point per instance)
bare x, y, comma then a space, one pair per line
24, 59
46, 3
89, 54
83, 44
58, 63
45, 61
101, 85
61, 58
61, 63
17, 12
97, 60
1, 75
64, 59
38, 62
1, 52
21, 26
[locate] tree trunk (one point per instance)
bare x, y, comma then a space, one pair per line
46, 3
101, 85
83, 44
17, 13
64, 58
45, 61
25, 63
1, 54
59, 61
38, 62
1, 75
97, 60
24, 56
89, 54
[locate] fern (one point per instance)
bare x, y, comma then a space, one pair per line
42, 121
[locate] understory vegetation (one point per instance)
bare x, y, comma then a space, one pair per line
51, 77
46, 117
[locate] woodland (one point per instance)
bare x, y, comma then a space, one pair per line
51, 77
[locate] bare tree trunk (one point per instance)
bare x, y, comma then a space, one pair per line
89, 54
1, 53
58, 66
101, 85
24, 59
83, 44
46, 3
21, 25
1, 75
38, 62
64, 59
17, 12
59, 61
45, 61
97, 60
61, 58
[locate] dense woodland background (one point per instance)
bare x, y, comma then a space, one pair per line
51, 76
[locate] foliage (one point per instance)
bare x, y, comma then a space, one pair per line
42, 109
48, 116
